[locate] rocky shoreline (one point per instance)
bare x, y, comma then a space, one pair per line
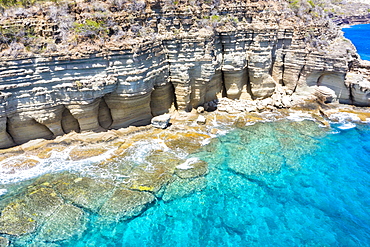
122, 186
75, 128
249, 51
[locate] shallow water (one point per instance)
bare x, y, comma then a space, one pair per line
360, 37
271, 184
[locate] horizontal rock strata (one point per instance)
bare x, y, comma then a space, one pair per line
187, 65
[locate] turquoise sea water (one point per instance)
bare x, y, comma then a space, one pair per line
281, 183
270, 184
360, 37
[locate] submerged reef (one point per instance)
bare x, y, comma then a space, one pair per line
81, 82
82, 182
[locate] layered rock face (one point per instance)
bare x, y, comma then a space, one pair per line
353, 20
251, 52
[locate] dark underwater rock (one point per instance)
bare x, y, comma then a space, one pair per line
124, 204
14, 221
4, 242
192, 168
65, 223
22, 215
83, 191
183, 187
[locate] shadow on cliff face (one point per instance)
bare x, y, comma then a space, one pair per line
69, 123
334, 81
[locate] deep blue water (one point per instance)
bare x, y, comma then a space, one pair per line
272, 184
360, 37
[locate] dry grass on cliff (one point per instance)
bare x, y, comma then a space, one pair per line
51, 27
330, 8
47, 27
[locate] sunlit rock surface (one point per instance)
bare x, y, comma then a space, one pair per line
65, 223
84, 192
125, 173
126, 203
265, 49
140, 167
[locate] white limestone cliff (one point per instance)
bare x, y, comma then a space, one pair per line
46, 96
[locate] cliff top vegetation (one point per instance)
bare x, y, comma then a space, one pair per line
50, 27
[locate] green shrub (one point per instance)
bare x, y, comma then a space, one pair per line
16, 34
90, 28
24, 3
215, 18
294, 4
310, 2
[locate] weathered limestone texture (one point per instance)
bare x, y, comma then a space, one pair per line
5, 138
128, 111
161, 99
247, 53
358, 81
86, 115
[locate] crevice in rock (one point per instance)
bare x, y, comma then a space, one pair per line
249, 85
224, 92
299, 77
273, 58
283, 70
174, 96
351, 96
7, 130
104, 114
43, 126
319, 80
251, 178
350, 66
69, 123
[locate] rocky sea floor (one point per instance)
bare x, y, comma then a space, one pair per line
284, 178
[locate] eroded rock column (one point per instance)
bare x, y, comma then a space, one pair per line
236, 83
214, 87
23, 128
86, 115
262, 83
161, 99
5, 139
51, 118
126, 111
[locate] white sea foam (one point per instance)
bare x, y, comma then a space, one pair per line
343, 117
334, 132
214, 121
58, 161
220, 132
187, 164
346, 126
3, 191
345, 120
205, 142
367, 120
140, 150
299, 116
